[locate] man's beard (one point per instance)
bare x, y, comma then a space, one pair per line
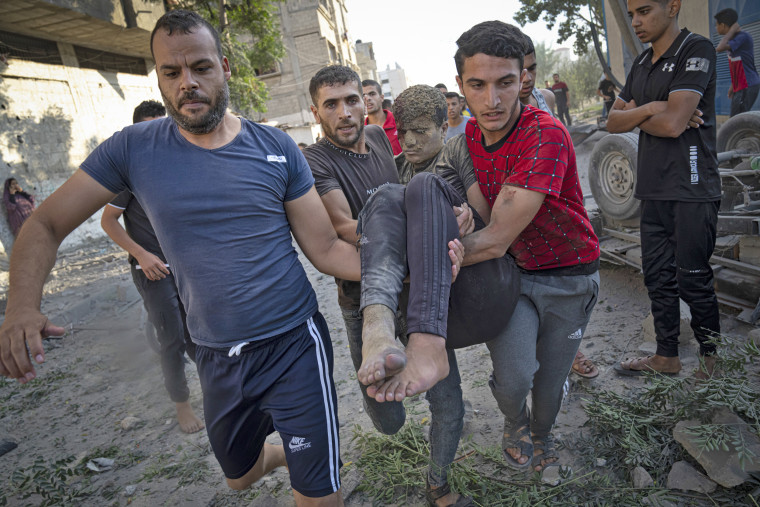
332, 135
208, 121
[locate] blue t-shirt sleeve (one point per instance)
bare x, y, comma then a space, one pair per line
300, 179
122, 200
108, 163
740, 40
695, 68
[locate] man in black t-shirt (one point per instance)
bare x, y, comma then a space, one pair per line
670, 96
155, 283
356, 177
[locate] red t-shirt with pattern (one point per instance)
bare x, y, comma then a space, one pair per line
538, 155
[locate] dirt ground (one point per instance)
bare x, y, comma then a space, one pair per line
102, 373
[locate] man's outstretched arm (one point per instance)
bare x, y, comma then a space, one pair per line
31, 261
513, 210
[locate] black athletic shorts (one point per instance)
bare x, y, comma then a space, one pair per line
282, 383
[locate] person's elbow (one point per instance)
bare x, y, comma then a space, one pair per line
673, 128
614, 125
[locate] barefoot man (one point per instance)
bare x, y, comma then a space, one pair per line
155, 283
263, 350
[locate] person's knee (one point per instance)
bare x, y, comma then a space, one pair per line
241, 483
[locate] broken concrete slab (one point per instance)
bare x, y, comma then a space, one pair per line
754, 337
722, 466
687, 334
641, 478
686, 478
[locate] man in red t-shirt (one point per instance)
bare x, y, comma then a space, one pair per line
562, 97
516, 164
372, 94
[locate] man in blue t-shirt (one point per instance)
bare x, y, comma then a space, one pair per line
223, 195
745, 81
155, 283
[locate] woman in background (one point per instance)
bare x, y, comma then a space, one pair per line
18, 204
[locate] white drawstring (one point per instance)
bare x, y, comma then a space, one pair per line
235, 351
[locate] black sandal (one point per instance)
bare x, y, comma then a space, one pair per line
433, 494
544, 444
515, 433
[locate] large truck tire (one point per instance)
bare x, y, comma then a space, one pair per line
612, 175
742, 132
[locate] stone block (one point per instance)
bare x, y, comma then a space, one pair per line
749, 250
686, 478
641, 478
754, 336
687, 334
722, 466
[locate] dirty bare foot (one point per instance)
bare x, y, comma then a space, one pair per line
381, 357
188, 421
427, 363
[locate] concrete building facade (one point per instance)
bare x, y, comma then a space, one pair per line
315, 34
365, 57
71, 73
393, 81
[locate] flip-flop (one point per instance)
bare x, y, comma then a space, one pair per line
581, 363
515, 433
628, 372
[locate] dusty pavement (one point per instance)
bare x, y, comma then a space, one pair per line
100, 394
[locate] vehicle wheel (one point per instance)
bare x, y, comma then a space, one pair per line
742, 132
612, 175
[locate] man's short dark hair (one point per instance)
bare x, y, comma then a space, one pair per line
420, 101
372, 82
492, 38
441, 85
387, 103
727, 16
333, 75
451, 95
529, 47
148, 109
185, 22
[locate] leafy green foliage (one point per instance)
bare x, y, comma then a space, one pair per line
573, 17
251, 41
623, 430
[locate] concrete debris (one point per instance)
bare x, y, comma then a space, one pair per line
641, 478
130, 422
686, 478
722, 466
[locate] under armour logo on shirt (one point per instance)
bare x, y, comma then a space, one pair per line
668, 67
694, 64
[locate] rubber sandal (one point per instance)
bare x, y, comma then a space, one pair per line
434, 494
514, 437
581, 363
548, 451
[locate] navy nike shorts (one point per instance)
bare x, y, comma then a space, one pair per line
282, 383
